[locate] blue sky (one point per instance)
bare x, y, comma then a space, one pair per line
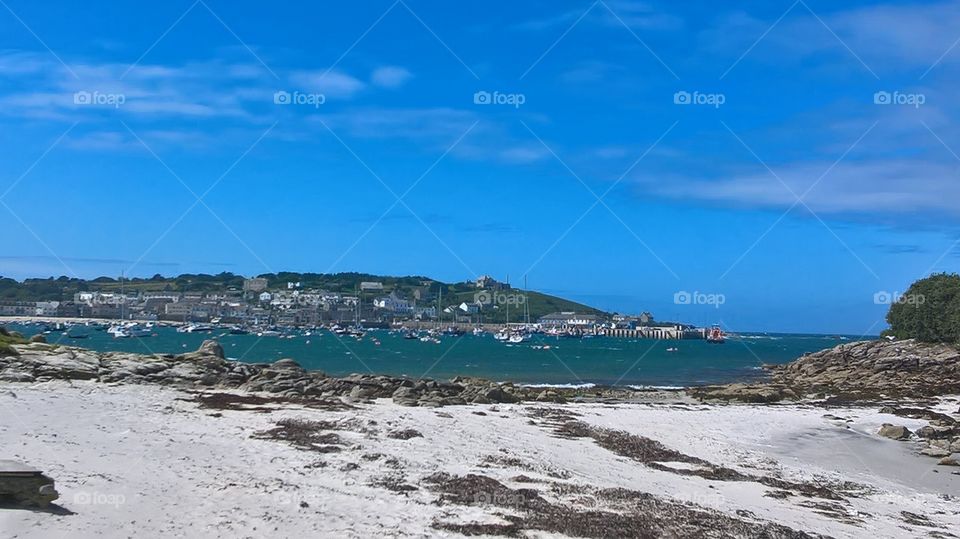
149, 140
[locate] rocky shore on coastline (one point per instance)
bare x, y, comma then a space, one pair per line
858, 371
516, 459
207, 368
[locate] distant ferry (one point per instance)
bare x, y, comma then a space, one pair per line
715, 335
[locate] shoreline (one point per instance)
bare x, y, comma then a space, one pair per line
201, 446
524, 366
182, 462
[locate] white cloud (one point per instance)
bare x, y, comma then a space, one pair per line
390, 76
884, 36
886, 188
333, 84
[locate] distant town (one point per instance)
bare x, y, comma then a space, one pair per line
348, 299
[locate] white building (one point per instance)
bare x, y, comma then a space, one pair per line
47, 308
393, 304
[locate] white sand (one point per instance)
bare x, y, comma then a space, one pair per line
134, 461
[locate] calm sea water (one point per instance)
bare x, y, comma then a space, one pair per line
600, 360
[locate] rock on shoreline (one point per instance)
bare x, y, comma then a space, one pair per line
208, 368
862, 370
899, 368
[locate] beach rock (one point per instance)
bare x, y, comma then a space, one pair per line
406, 396
935, 452
38, 339
211, 347
361, 392
949, 461
753, 393
904, 368
10, 375
894, 432
286, 364
497, 394
66, 364
550, 396
935, 432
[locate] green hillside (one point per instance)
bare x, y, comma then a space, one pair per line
426, 290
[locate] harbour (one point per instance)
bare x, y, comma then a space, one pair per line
618, 359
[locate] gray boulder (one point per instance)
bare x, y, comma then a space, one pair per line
211, 347
894, 432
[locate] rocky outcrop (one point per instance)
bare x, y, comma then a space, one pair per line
753, 393
894, 432
207, 368
894, 368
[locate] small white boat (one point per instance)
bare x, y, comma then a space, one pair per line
518, 338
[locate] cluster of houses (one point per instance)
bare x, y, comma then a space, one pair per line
256, 303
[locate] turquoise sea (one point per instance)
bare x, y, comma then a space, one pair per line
567, 361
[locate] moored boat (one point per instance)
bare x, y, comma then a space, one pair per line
715, 335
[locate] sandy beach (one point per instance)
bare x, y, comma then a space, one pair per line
150, 461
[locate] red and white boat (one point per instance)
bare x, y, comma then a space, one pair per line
715, 335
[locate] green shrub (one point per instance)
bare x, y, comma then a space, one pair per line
928, 311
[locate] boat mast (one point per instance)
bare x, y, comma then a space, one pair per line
526, 308
122, 298
508, 303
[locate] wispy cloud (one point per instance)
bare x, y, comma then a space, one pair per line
882, 189
885, 36
390, 76
635, 14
